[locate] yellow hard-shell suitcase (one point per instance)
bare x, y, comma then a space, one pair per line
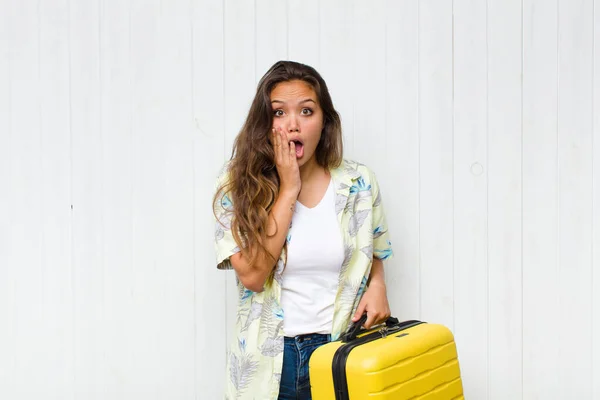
398, 360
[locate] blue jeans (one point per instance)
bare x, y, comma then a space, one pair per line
295, 382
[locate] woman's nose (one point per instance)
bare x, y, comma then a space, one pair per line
293, 124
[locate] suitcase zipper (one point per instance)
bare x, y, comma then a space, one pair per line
340, 382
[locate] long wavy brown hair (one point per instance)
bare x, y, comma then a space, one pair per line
253, 182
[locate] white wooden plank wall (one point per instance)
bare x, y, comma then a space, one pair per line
480, 118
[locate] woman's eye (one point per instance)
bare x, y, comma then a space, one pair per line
306, 111
278, 113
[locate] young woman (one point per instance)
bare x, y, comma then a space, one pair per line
305, 232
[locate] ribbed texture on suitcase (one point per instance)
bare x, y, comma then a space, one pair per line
417, 363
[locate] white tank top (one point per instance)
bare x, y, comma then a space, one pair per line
315, 256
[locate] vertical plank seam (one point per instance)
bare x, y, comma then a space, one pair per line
385, 75
41, 159
557, 171
521, 159
73, 292
224, 87
224, 51
592, 280
193, 148
255, 43
131, 155
103, 345
453, 186
419, 155
487, 194
353, 30
9, 52
318, 34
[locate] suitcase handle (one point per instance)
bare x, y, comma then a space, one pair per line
355, 328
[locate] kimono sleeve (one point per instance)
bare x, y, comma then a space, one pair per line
225, 245
382, 246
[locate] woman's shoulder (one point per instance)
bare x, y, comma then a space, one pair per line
355, 169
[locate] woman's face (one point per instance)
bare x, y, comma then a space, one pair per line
297, 113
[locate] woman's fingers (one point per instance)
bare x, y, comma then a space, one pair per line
292, 151
284, 146
276, 146
285, 151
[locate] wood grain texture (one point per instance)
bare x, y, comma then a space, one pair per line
208, 154
87, 194
58, 378
541, 280
175, 270
368, 88
337, 62
148, 143
272, 34
505, 118
470, 193
240, 79
304, 31
436, 162
575, 152
596, 205
7, 240
400, 180
117, 198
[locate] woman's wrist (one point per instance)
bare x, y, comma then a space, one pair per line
288, 196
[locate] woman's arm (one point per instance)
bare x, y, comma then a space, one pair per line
374, 302
377, 276
254, 277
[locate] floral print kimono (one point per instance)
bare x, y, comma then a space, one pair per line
255, 358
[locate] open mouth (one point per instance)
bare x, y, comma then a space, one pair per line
299, 146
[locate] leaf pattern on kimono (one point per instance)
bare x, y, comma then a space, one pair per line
234, 370
348, 250
384, 253
243, 293
350, 169
242, 345
241, 370
362, 196
377, 201
368, 251
271, 317
348, 295
356, 221
278, 278
340, 202
253, 314
219, 233
224, 219
361, 290
272, 346
378, 232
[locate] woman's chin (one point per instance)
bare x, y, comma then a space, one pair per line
305, 161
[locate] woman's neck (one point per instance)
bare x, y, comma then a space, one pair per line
311, 171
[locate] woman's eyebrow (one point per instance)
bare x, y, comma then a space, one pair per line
303, 101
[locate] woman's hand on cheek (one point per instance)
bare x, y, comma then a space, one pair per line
286, 163
375, 303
